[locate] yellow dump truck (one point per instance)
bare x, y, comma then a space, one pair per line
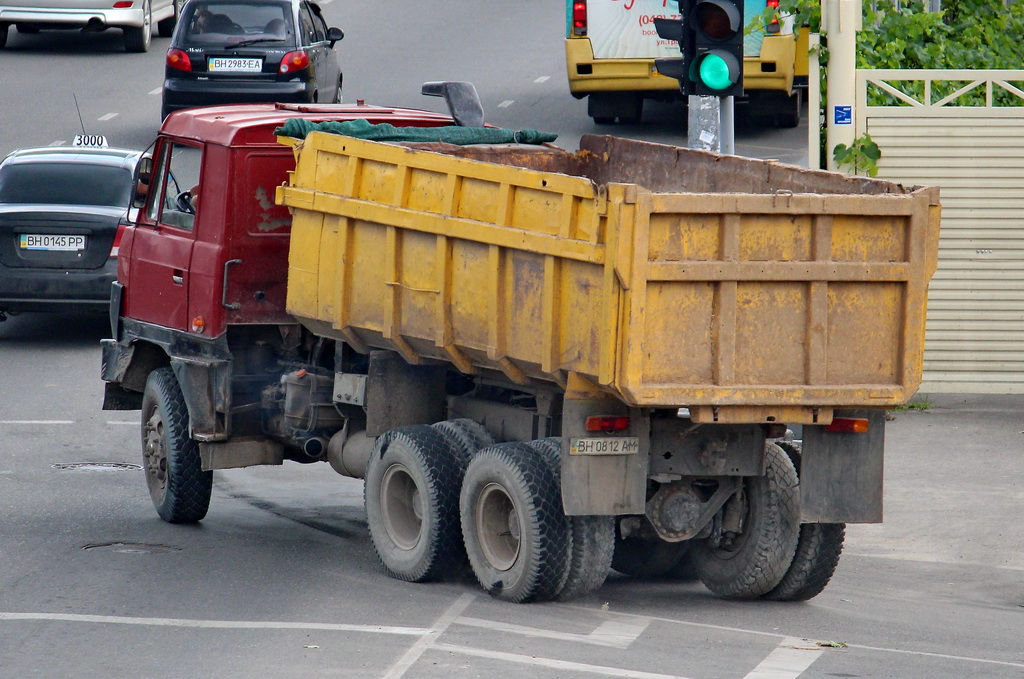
556, 363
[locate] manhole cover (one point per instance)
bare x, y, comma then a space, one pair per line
131, 548
97, 466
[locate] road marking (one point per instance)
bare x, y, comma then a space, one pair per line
553, 663
926, 654
788, 661
215, 624
37, 421
158, 90
616, 634
121, 422
59, 142
506, 103
428, 640
107, 116
543, 79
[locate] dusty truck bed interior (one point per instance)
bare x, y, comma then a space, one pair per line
666, 276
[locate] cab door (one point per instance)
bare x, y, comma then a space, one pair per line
157, 289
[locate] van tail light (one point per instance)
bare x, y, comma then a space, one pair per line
179, 61
123, 4
294, 61
579, 17
607, 424
774, 26
848, 425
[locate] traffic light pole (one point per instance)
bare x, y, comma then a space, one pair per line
728, 126
711, 124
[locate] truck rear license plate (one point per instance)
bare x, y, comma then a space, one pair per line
626, 445
235, 65
55, 242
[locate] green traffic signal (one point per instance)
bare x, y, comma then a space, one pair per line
714, 72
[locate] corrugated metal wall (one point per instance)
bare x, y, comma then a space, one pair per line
964, 132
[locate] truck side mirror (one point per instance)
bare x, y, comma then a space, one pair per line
334, 35
141, 182
462, 99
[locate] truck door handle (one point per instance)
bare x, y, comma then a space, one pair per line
224, 291
178, 277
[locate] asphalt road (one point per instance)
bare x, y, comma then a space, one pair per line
281, 581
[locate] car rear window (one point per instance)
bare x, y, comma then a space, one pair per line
225, 23
65, 184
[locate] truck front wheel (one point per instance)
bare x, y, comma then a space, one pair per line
412, 503
517, 536
179, 487
753, 561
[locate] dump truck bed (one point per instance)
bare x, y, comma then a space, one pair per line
745, 290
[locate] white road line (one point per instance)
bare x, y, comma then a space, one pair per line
59, 142
553, 663
543, 79
945, 656
158, 90
616, 634
506, 103
107, 116
215, 624
121, 422
427, 641
788, 661
37, 421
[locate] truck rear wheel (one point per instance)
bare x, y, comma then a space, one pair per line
591, 538
816, 558
412, 503
179, 487
517, 537
754, 561
467, 435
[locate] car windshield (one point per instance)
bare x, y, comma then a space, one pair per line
232, 23
65, 184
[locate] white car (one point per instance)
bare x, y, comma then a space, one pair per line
134, 17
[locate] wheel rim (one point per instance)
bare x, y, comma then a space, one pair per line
497, 525
401, 507
147, 25
154, 446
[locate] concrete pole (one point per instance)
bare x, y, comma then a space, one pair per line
841, 19
814, 103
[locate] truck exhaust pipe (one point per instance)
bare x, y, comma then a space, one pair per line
314, 448
348, 454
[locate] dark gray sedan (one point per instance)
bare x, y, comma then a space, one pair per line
62, 212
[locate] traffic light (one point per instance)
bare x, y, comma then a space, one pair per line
717, 28
710, 37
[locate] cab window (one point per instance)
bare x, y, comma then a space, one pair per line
307, 28
175, 197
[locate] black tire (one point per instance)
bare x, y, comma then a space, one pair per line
4, 29
412, 503
789, 117
137, 38
179, 487
647, 559
337, 95
758, 558
815, 561
517, 537
591, 538
27, 29
166, 26
467, 435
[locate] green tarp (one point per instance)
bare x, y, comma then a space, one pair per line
362, 129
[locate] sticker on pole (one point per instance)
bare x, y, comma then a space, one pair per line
843, 115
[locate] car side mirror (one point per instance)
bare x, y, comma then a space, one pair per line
141, 183
334, 35
462, 99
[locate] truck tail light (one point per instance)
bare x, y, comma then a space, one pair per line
848, 425
178, 60
607, 424
774, 26
579, 17
294, 61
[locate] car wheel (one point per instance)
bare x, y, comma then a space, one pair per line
166, 26
137, 38
3, 35
27, 29
179, 487
337, 94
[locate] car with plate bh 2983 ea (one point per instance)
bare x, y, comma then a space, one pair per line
62, 213
251, 51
